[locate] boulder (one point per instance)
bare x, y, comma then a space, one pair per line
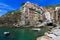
43, 38
56, 32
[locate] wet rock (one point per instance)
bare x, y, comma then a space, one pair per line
43, 38
56, 32
57, 38
50, 35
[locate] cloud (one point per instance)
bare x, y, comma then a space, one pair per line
2, 5
5, 8
2, 12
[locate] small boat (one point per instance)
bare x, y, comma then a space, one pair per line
38, 29
6, 33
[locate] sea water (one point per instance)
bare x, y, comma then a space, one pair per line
19, 33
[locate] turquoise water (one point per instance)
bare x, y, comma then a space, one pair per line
20, 33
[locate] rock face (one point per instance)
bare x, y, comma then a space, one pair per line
54, 34
43, 38
28, 14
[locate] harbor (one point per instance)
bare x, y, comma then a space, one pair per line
31, 22
20, 33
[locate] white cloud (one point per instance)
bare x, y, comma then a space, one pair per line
2, 5
0, 10
5, 8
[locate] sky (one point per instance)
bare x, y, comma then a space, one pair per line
9, 5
